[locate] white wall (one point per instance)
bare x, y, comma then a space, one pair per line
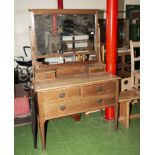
134, 2
23, 21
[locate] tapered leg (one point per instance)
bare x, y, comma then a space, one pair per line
42, 132
116, 115
34, 118
34, 126
116, 104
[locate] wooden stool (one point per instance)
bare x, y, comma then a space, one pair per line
126, 97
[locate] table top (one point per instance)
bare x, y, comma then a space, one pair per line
73, 80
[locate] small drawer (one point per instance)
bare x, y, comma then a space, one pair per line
48, 75
99, 101
60, 108
96, 69
61, 93
96, 89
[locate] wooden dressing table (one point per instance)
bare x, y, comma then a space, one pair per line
74, 81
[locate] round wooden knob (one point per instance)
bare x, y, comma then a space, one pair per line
62, 95
99, 101
99, 89
62, 107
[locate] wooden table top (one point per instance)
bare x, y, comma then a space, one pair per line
73, 80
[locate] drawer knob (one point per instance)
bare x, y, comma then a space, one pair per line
62, 95
99, 101
62, 107
99, 89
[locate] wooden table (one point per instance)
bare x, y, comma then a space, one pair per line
123, 52
73, 94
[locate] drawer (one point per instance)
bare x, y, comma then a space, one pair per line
61, 108
101, 88
96, 69
48, 75
99, 101
63, 93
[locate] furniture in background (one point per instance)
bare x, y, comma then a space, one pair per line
133, 16
130, 92
69, 76
22, 113
122, 32
23, 69
123, 62
135, 63
25, 108
128, 96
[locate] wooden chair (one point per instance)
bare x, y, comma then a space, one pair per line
135, 73
127, 96
25, 109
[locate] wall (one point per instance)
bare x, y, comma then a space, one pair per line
23, 21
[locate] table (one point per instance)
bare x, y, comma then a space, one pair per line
73, 94
123, 52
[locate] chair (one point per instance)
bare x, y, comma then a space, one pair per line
25, 108
128, 96
135, 70
130, 88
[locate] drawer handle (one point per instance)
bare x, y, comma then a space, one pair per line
99, 89
62, 107
62, 95
99, 101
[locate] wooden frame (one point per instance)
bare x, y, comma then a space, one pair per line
135, 74
39, 66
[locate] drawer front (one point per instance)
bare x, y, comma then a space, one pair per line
77, 105
96, 69
97, 102
45, 76
60, 108
96, 89
61, 93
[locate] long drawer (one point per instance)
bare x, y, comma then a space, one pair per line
75, 105
62, 93
97, 89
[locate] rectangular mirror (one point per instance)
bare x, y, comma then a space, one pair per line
66, 36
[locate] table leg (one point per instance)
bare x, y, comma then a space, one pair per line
42, 132
116, 114
34, 126
116, 104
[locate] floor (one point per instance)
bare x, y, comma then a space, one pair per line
91, 136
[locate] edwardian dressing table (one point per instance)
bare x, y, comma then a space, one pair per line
69, 76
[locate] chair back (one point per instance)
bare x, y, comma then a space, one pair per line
135, 63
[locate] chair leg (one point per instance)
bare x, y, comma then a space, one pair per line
34, 121
124, 115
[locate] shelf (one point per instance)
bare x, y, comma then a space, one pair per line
43, 67
64, 54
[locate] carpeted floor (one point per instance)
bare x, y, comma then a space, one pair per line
93, 135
